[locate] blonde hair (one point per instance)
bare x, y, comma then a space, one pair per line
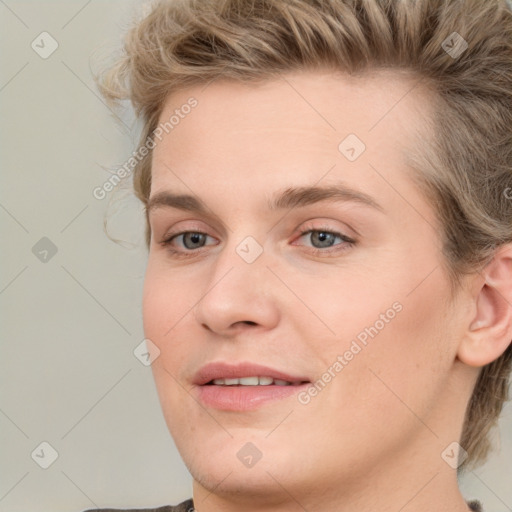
465, 168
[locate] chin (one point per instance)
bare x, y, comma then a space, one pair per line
242, 463
227, 479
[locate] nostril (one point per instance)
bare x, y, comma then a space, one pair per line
250, 322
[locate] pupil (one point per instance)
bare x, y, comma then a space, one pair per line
194, 238
323, 238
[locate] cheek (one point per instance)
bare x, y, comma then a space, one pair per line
166, 307
401, 371
165, 301
395, 338
347, 306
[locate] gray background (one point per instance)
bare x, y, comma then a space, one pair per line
70, 323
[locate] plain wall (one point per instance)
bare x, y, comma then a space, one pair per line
70, 324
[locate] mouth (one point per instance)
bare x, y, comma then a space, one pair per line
244, 386
253, 381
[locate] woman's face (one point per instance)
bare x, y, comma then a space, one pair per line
340, 286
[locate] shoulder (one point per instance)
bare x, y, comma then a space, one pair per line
185, 506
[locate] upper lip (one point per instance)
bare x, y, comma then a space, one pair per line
221, 370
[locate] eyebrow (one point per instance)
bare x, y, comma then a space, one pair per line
287, 199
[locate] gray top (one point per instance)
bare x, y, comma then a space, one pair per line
188, 506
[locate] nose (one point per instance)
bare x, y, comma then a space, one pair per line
238, 295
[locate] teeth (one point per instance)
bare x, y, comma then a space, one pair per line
251, 381
248, 381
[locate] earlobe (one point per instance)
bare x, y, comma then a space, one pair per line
490, 330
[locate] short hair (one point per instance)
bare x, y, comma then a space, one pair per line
464, 166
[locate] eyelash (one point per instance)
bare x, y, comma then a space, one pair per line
347, 241
188, 253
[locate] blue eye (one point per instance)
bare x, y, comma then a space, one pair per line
322, 239
190, 240
323, 242
193, 240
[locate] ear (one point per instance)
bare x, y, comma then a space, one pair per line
490, 330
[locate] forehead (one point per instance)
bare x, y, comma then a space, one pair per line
300, 128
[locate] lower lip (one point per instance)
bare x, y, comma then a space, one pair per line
244, 398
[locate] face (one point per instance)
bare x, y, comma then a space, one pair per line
306, 249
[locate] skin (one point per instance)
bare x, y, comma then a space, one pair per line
372, 439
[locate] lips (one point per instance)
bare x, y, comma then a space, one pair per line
244, 386
230, 374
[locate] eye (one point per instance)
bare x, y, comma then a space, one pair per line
322, 239
190, 241
325, 241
